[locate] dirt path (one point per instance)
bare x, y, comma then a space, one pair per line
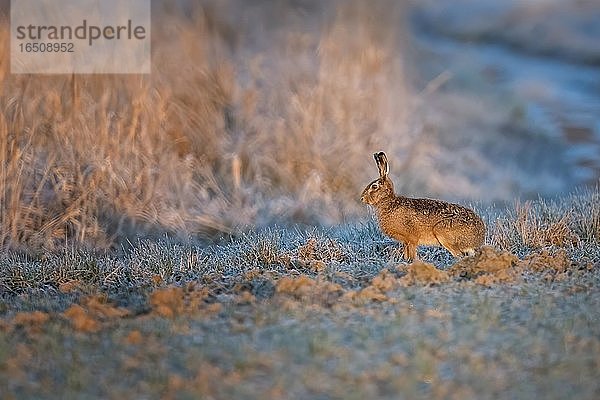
558, 96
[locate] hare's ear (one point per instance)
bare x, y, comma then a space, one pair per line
382, 164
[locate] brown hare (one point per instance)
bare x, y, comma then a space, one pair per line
422, 221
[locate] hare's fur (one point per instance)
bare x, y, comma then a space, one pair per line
422, 221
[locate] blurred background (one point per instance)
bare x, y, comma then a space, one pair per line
267, 112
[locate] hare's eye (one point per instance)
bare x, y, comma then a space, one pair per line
375, 186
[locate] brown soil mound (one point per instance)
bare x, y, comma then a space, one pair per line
365, 295
557, 262
172, 301
93, 311
101, 308
167, 302
420, 272
487, 266
303, 287
376, 291
80, 319
29, 321
416, 273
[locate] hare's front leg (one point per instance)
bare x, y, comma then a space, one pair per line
410, 251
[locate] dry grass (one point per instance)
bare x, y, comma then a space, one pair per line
565, 222
221, 134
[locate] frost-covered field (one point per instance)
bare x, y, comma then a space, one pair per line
285, 313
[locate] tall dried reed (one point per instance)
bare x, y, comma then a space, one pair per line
225, 132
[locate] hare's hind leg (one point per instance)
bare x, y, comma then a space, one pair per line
447, 242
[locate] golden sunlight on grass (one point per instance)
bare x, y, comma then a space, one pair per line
208, 141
